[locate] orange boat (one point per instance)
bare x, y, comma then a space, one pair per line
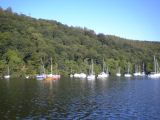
49, 78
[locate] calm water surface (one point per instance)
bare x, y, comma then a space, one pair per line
113, 98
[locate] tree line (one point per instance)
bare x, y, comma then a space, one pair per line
24, 41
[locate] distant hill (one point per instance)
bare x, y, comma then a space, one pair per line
25, 41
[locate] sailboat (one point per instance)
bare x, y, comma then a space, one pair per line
128, 74
43, 75
156, 73
27, 77
50, 76
143, 73
91, 76
71, 75
137, 71
118, 73
76, 75
7, 76
82, 75
103, 74
56, 76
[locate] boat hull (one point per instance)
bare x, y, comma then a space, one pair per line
49, 78
7, 76
118, 75
127, 75
91, 77
103, 75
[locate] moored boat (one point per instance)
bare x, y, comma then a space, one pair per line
128, 74
91, 76
118, 74
71, 75
103, 75
82, 75
156, 73
50, 78
41, 77
27, 77
7, 76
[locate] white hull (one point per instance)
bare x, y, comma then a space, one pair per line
7, 76
71, 75
118, 74
143, 74
154, 75
49, 75
103, 75
27, 77
127, 75
82, 75
76, 75
91, 77
139, 74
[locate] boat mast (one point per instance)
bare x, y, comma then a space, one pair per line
71, 70
43, 66
135, 68
119, 70
155, 64
103, 65
44, 70
51, 65
139, 69
92, 66
128, 68
107, 70
56, 68
8, 70
157, 67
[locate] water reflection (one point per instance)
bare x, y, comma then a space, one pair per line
111, 98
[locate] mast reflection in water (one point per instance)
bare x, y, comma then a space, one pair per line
69, 98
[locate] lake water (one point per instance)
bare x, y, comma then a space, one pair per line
113, 98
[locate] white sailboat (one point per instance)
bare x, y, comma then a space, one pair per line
91, 76
71, 75
137, 71
7, 76
82, 75
103, 74
143, 73
155, 74
76, 75
50, 76
128, 74
118, 73
27, 77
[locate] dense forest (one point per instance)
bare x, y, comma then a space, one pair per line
25, 42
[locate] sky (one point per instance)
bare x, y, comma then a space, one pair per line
131, 19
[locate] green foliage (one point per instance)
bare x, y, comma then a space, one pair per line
24, 41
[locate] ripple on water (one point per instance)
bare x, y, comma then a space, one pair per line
80, 99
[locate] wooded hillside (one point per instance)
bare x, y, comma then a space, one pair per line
24, 41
